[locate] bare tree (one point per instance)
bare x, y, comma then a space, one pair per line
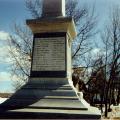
85, 21
21, 42
112, 45
34, 7
97, 79
84, 18
20, 51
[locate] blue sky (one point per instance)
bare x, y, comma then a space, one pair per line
11, 11
15, 11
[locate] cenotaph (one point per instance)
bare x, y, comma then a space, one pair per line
48, 93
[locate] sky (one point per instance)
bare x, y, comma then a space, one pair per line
12, 11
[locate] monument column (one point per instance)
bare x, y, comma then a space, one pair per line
53, 34
53, 8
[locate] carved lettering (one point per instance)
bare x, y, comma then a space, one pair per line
49, 54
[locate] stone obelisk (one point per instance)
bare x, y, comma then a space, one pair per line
53, 34
48, 94
57, 11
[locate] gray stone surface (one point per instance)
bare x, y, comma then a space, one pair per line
47, 114
53, 8
35, 101
49, 54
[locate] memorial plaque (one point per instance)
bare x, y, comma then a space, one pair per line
49, 54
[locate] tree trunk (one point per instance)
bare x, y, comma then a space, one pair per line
101, 103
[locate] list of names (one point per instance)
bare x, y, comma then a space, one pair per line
49, 54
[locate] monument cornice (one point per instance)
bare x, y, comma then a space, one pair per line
49, 24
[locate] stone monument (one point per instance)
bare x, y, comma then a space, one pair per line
57, 11
48, 93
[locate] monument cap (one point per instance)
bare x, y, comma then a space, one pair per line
53, 8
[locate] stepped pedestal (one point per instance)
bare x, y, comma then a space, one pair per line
46, 100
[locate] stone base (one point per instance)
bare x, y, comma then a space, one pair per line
47, 99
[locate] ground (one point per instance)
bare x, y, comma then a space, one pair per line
114, 114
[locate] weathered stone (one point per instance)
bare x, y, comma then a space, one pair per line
53, 8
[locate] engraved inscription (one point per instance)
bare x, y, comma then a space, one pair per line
49, 54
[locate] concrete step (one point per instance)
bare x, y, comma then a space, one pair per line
50, 88
47, 104
47, 86
38, 93
38, 102
60, 104
50, 102
28, 113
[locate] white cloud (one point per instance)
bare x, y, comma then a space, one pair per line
5, 76
98, 51
5, 82
95, 50
4, 35
4, 55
